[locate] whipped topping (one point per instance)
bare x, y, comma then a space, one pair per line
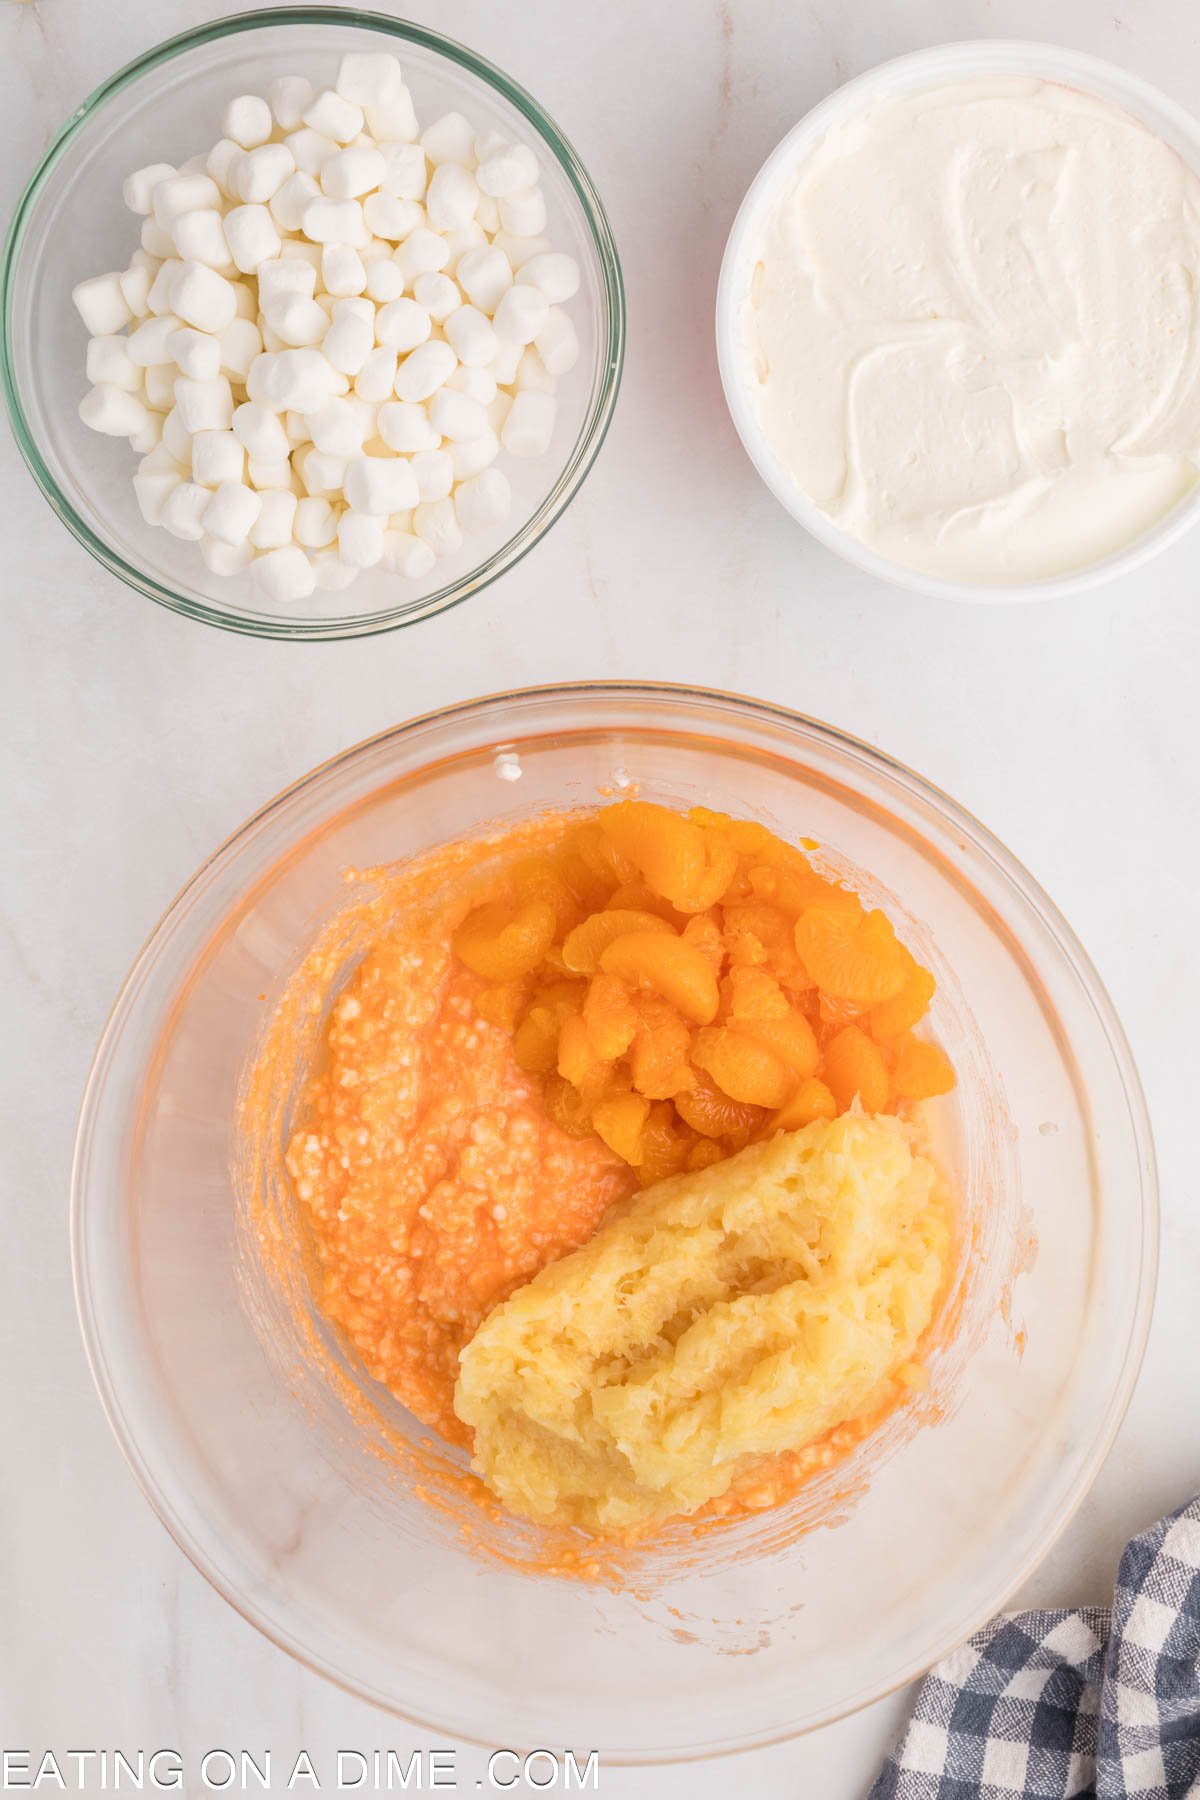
972, 330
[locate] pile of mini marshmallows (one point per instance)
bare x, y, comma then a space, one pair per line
334, 324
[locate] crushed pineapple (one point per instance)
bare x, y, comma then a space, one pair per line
719, 1319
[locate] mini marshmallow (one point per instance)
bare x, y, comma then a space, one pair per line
231, 512
342, 271
423, 252
177, 439
392, 218
360, 540
404, 426
159, 297
137, 190
334, 222
476, 383
331, 573
424, 370
321, 473
151, 487
204, 405
226, 559
247, 120
402, 325
384, 280
452, 198
203, 298
260, 431
337, 428
499, 410
182, 511
197, 353
334, 117
405, 172
310, 149
220, 162
195, 165
136, 283
112, 410
183, 193
438, 294
252, 237
512, 170
450, 139
283, 575
557, 343
471, 458
109, 364
368, 78
276, 519
287, 205
470, 334
395, 120
217, 456
504, 365
292, 380
520, 250
282, 275
524, 215
259, 174
350, 338
148, 435
245, 299
151, 342
269, 477
353, 172
485, 276
241, 341
315, 523
289, 96
434, 474
533, 373
407, 555
380, 484
155, 241
521, 314
436, 522
555, 274
101, 304
487, 214
456, 416
160, 386
483, 501
376, 379
296, 320
200, 237
529, 424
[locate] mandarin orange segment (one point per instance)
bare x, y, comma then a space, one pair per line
666, 965
908, 1007
659, 1058
621, 1123
665, 1145
792, 1039
667, 849
578, 1062
721, 865
585, 945
850, 957
811, 1100
635, 896
711, 1112
609, 1015
741, 1067
501, 1005
753, 993
921, 1072
502, 943
855, 1070
704, 1154
535, 1041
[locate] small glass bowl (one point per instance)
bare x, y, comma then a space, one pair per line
902, 76
303, 1508
71, 222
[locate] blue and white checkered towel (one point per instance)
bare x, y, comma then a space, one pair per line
1096, 1703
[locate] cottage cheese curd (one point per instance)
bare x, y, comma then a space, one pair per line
972, 330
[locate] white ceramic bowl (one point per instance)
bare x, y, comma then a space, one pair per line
925, 69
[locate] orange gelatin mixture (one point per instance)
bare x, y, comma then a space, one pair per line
682, 985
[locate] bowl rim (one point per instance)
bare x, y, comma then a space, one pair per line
957, 58
767, 713
612, 329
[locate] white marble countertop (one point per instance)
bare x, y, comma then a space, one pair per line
135, 741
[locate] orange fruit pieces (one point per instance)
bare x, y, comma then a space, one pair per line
851, 956
908, 1006
742, 1067
584, 946
811, 1100
681, 973
621, 1122
921, 1072
502, 943
711, 1112
668, 850
609, 1015
658, 1060
855, 1070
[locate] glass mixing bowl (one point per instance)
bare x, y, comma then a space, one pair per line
71, 222
276, 1489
